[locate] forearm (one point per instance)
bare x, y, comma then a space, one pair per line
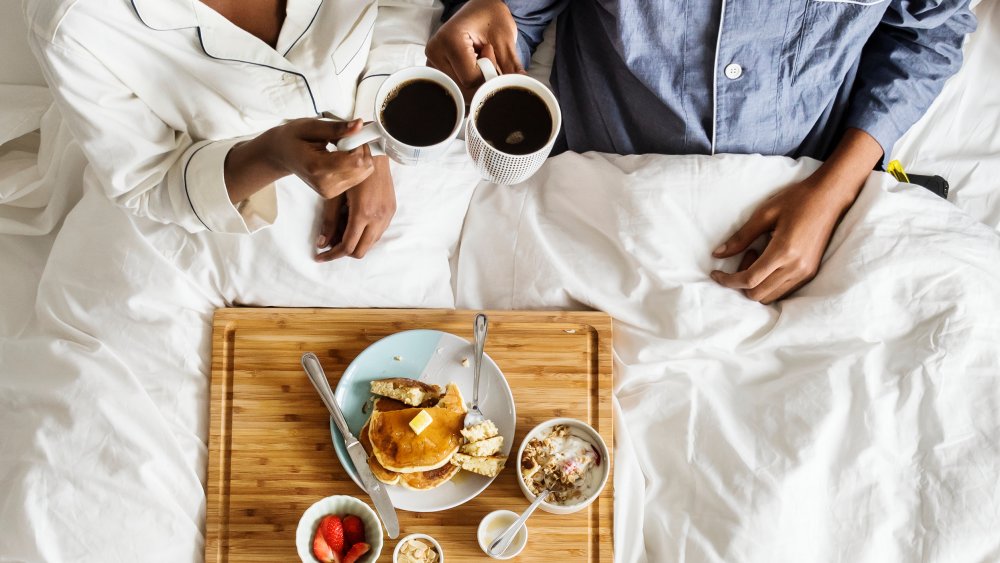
250, 166
845, 172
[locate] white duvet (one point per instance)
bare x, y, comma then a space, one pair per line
857, 421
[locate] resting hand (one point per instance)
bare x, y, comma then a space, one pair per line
480, 29
354, 222
800, 219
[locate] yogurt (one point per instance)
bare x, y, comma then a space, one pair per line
566, 464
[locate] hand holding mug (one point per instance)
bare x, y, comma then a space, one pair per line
300, 148
480, 29
418, 112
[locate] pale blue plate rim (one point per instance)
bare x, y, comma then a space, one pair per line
402, 354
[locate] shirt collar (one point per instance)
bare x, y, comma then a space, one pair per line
165, 15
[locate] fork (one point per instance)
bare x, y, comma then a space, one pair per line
479, 329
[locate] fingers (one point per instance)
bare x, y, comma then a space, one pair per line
759, 223
348, 244
358, 238
749, 257
760, 269
331, 222
325, 131
777, 273
771, 291
795, 274
506, 58
333, 173
486, 52
368, 239
461, 55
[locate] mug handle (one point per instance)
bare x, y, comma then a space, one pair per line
367, 134
486, 67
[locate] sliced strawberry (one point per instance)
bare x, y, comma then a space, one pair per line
354, 530
322, 551
333, 532
356, 552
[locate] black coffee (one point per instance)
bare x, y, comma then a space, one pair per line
420, 113
515, 121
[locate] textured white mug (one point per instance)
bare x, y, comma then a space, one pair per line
495, 165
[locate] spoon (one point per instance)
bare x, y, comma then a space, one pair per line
504, 540
479, 329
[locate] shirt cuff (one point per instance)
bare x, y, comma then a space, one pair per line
524, 51
205, 185
875, 119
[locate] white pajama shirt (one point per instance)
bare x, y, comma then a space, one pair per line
157, 92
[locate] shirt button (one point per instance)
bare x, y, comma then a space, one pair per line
287, 77
733, 71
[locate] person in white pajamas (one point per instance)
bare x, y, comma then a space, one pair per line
189, 111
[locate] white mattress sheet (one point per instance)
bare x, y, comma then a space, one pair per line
859, 418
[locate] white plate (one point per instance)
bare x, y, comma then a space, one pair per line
433, 357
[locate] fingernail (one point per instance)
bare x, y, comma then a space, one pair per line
720, 250
321, 241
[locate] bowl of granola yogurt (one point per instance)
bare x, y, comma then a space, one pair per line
567, 457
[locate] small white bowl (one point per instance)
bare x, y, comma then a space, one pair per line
520, 540
583, 430
341, 505
434, 542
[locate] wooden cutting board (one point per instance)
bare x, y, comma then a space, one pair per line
270, 453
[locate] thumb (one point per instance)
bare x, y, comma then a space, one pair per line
757, 225
341, 129
330, 131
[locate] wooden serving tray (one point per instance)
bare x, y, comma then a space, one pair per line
270, 454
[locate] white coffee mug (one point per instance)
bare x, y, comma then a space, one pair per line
394, 148
493, 164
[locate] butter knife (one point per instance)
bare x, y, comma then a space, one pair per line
374, 487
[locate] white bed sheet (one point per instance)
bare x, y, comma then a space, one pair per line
798, 428
856, 421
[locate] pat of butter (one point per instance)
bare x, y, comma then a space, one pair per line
421, 422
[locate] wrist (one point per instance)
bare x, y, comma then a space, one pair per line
266, 149
844, 174
839, 186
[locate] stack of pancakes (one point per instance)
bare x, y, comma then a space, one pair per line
399, 456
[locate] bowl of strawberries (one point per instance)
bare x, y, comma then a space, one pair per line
339, 529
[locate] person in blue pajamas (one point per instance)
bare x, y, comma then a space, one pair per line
836, 80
